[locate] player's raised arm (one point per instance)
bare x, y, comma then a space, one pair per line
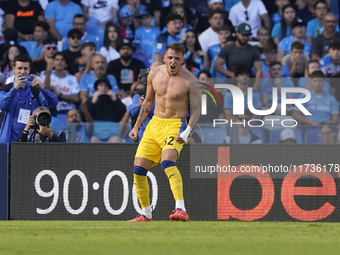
146, 106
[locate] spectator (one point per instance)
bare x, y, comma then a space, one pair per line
224, 32
296, 61
125, 17
316, 26
334, 86
276, 17
112, 39
244, 134
35, 47
21, 15
251, 12
83, 64
299, 32
329, 34
134, 107
306, 10
73, 52
284, 27
83, 131
195, 59
19, 99
50, 48
98, 14
64, 85
330, 64
328, 134
323, 107
166, 10
125, 69
174, 24
238, 54
202, 12
46, 133
274, 81
87, 81
6, 66
11, 38
134, 6
263, 36
213, 111
306, 82
145, 36
212, 70
242, 75
59, 15
287, 136
180, 10
107, 111
210, 36
270, 54
79, 22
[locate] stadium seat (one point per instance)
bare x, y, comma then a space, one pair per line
214, 135
275, 135
277, 123
313, 136
258, 131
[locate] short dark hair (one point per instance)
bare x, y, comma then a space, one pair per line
213, 12
320, 1
79, 16
205, 72
88, 44
173, 16
59, 54
49, 41
317, 74
242, 70
22, 58
297, 45
269, 46
73, 32
334, 45
43, 24
178, 47
275, 63
230, 39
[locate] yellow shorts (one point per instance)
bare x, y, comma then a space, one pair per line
160, 134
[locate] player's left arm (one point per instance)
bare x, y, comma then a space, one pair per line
195, 103
195, 109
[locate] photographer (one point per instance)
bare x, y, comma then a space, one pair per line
138, 98
38, 129
18, 99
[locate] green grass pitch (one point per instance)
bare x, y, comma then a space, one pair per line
165, 237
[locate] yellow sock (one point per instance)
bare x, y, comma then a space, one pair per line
142, 189
175, 180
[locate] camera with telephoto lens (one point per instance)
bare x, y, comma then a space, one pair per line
143, 73
43, 119
29, 79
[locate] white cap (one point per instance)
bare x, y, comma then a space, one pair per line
215, 1
287, 134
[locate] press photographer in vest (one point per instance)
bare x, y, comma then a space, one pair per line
38, 128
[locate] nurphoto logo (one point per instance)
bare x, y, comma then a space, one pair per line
239, 104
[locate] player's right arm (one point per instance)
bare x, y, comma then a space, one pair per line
146, 106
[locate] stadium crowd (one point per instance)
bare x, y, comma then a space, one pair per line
89, 53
